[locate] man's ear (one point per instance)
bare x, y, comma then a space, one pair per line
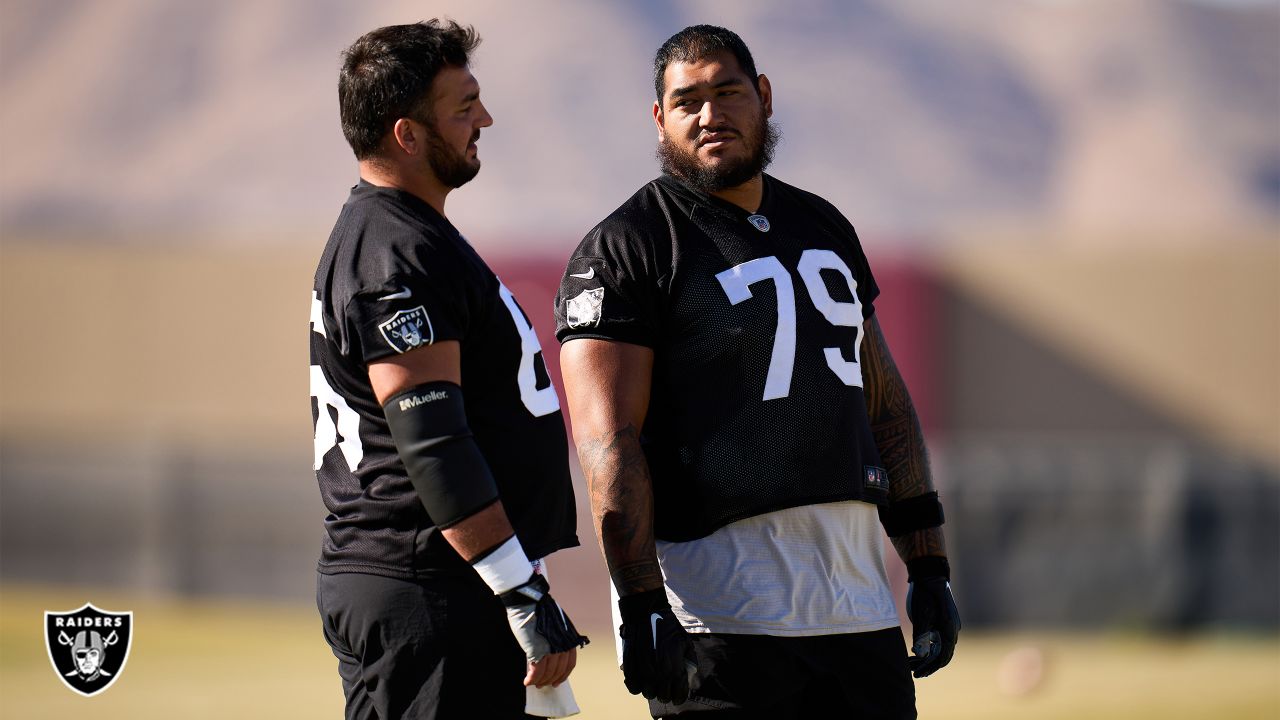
408, 136
766, 94
658, 118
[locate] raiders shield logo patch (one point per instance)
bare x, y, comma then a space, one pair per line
584, 310
408, 329
88, 647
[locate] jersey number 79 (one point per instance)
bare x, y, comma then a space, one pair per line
737, 280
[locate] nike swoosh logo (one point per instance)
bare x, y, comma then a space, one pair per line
586, 275
653, 629
404, 294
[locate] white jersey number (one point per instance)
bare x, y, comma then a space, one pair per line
736, 281
348, 423
539, 401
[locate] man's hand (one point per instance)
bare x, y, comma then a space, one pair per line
546, 633
657, 658
935, 621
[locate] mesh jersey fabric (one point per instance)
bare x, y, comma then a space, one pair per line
756, 401
396, 275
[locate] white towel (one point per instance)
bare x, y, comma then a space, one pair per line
550, 702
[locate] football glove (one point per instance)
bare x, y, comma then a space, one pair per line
657, 657
540, 626
935, 621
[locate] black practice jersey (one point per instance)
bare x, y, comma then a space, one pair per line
755, 321
395, 276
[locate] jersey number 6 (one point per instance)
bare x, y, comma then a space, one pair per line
737, 280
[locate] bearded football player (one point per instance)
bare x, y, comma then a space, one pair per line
744, 431
442, 499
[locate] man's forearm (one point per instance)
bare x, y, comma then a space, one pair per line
483, 531
920, 543
621, 494
900, 441
901, 444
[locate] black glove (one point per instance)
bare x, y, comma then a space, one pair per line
540, 626
657, 657
935, 621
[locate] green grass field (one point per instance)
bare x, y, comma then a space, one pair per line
254, 660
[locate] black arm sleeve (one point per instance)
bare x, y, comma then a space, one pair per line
429, 425
914, 513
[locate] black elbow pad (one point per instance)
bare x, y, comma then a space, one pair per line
429, 425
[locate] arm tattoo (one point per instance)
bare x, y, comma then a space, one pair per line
622, 508
899, 439
920, 543
894, 423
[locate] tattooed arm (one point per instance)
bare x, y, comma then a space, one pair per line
607, 386
896, 430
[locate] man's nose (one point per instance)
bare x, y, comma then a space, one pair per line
485, 118
709, 115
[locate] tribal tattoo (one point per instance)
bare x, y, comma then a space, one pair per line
621, 493
899, 439
920, 543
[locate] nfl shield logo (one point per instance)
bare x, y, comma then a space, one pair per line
408, 329
88, 647
761, 222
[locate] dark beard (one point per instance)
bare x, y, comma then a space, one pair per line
685, 165
450, 168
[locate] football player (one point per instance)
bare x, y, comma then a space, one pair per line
744, 431
443, 497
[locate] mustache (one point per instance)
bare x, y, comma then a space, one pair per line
475, 136
723, 130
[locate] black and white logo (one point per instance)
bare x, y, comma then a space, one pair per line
761, 222
408, 329
584, 310
88, 647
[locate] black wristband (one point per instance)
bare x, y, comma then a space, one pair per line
914, 513
929, 566
644, 602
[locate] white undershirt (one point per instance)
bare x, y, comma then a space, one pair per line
809, 570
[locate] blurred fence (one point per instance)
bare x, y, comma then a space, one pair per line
161, 518
1145, 533
1052, 531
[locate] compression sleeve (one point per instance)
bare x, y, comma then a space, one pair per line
429, 425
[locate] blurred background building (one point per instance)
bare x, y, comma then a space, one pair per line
1073, 209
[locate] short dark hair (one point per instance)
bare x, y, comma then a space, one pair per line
387, 75
695, 43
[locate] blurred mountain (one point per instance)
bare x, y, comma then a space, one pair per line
132, 117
